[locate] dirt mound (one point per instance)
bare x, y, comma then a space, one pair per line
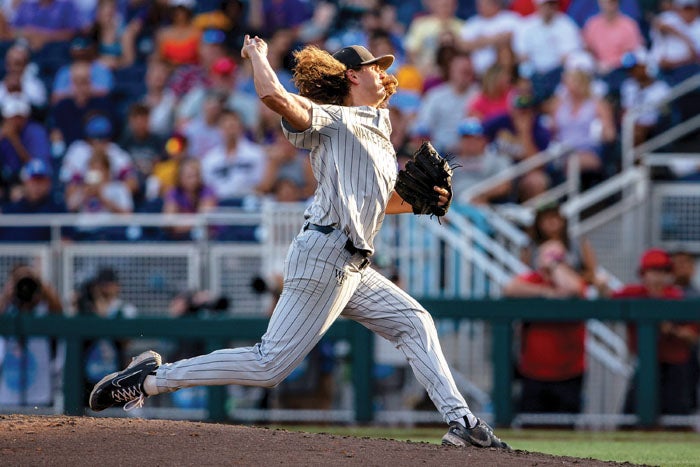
77, 441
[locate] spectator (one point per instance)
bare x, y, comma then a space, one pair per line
203, 132
269, 16
235, 167
101, 297
98, 131
410, 78
581, 120
21, 141
211, 48
230, 18
165, 171
476, 161
583, 10
159, 98
45, 21
542, 44
97, 192
492, 100
484, 33
684, 275
83, 50
287, 175
116, 41
675, 41
67, 116
178, 43
642, 90
683, 265
520, 134
608, 36
28, 365
549, 224
443, 107
141, 144
189, 196
21, 76
36, 198
424, 34
552, 354
676, 339
222, 81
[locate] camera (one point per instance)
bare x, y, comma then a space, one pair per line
27, 290
216, 305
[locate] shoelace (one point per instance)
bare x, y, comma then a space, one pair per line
133, 397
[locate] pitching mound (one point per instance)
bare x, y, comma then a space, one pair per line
77, 441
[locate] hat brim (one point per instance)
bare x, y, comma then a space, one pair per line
384, 62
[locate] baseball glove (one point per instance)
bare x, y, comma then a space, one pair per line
415, 182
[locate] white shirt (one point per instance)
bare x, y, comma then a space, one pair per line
633, 95
441, 111
234, 175
545, 46
33, 88
670, 46
354, 163
478, 27
75, 161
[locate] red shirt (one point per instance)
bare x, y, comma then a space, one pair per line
670, 349
551, 351
526, 7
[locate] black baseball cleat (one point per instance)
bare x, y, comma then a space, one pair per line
125, 387
480, 436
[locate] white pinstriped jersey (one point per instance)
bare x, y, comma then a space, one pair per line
355, 165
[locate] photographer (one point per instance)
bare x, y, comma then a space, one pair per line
101, 297
27, 364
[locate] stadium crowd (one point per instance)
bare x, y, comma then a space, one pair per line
119, 106
131, 106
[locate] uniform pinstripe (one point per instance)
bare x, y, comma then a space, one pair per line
355, 165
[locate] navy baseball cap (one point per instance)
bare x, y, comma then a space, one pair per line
470, 127
35, 168
356, 56
98, 127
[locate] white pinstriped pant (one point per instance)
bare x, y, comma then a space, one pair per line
322, 281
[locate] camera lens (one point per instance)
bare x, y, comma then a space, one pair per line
26, 289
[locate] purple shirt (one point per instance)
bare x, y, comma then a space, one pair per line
57, 15
35, 138
177, 196
285, 14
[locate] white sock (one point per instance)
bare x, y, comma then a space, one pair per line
149, 385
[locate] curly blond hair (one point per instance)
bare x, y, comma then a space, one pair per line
321, 78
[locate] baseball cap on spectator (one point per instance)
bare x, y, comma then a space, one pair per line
655, 258
35, 168
470, 127
406, 101
80, 43
14, 105
106, 275
522, 101
356, 56
223, 66
213, 36
637, 57
580, 61
98, 127
176, 144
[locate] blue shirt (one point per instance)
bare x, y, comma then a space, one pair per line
35, 139
101, 79
56, 16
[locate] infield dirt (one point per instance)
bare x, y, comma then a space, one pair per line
81, 441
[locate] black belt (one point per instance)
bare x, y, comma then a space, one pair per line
326, 229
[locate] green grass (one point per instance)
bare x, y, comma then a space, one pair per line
664, 448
